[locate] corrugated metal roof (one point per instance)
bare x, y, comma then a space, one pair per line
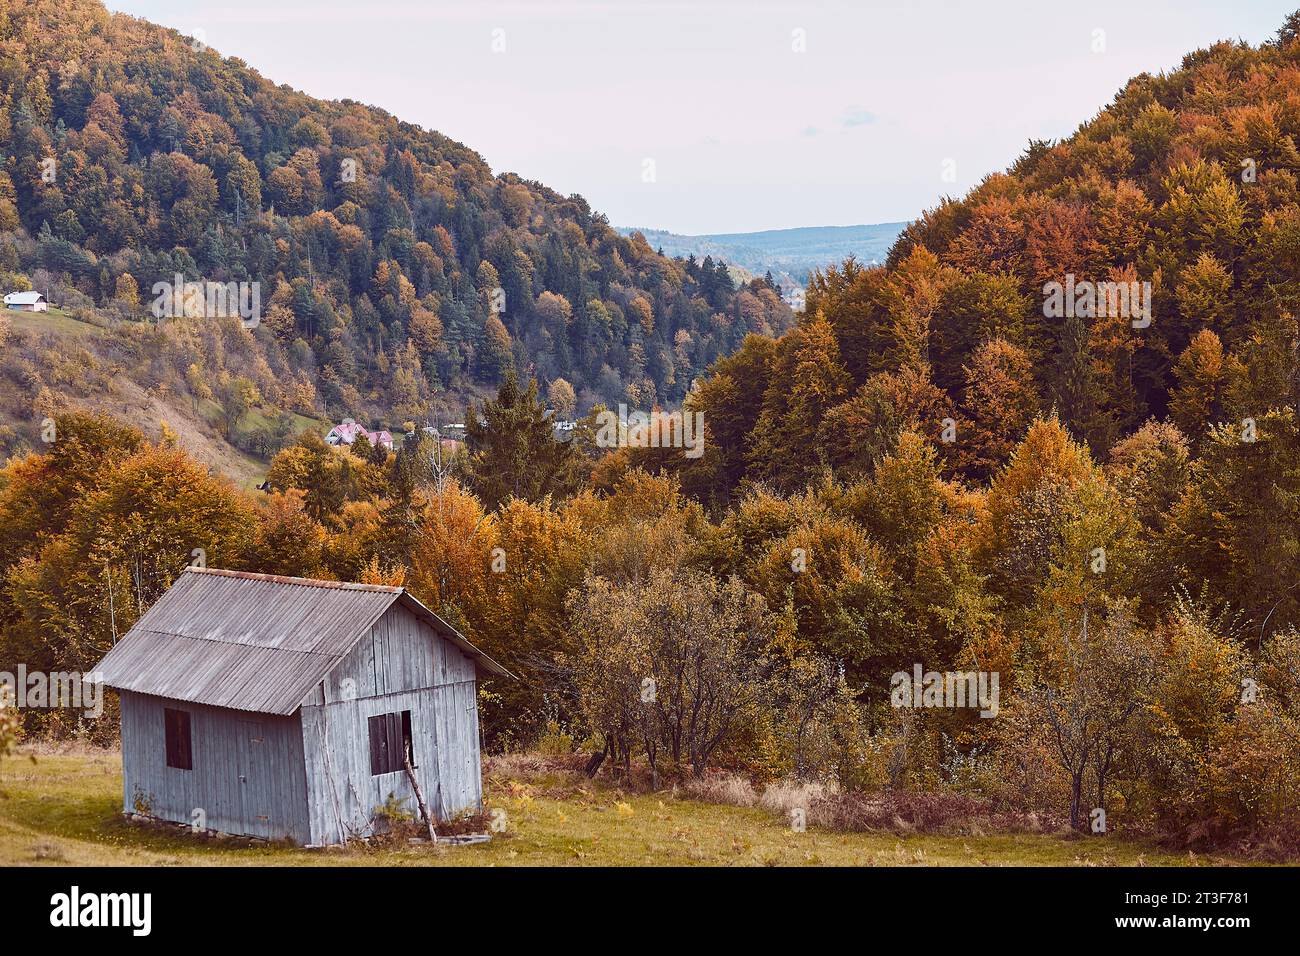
255, 642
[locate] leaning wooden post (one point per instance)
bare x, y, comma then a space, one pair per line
419, 798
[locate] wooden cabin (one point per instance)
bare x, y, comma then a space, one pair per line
286, 708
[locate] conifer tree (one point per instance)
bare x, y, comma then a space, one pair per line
512, 448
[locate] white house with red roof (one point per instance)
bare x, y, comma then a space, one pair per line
348, 431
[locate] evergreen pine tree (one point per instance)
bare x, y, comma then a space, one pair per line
512, 448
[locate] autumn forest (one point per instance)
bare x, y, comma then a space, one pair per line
923, 467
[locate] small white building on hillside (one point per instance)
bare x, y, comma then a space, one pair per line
26, 302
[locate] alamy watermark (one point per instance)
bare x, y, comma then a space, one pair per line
75, 908
56, 690
242, 300
924, 688
680, 429
1086, 299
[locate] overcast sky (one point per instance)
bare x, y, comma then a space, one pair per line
726, 115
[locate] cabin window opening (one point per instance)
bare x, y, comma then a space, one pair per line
176, 724
390, 742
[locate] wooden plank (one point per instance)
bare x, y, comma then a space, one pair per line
403, 666
213, 784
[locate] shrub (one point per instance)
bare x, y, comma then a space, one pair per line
908, 811
785, 796
719, 786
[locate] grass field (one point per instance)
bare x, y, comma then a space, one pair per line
54, 320
64, 809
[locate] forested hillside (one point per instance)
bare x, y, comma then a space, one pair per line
398, 274
1188, 181
1093, 514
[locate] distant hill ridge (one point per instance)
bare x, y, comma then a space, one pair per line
790, 254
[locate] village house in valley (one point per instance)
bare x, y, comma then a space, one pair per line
348, 431
288, 708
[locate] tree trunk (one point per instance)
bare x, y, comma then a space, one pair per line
1076, 800
593, 765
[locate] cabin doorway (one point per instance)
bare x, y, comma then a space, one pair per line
255, 778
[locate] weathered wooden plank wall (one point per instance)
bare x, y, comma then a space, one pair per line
247, 778
402, 664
